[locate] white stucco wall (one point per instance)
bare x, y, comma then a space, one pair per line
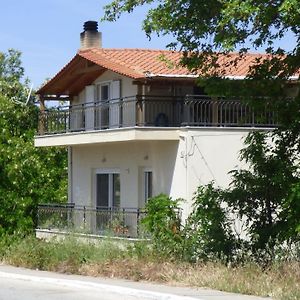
200, 156
129, 158
127, 88
205, 155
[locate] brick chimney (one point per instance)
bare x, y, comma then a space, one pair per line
90, 37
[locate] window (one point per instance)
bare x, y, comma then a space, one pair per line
103, 92
147, 185
102, 106
108, 189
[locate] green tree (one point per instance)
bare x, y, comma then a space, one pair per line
268, 192
264, 194
203, 30
207, 232
11, 75
206, 30
28, 175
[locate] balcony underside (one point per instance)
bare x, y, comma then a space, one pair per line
108, 136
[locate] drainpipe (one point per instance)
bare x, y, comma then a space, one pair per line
70, 175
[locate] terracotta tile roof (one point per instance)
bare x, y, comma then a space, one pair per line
140, 63
136, 64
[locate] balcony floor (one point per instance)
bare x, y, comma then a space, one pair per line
108, 136
131, 134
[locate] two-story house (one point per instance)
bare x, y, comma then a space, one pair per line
137, 125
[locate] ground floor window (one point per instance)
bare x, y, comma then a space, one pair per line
107, 189
147, 184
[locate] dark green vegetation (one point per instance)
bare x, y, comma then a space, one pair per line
206, 31
203, 30
264, 199
266, 196
212, 230
28, 175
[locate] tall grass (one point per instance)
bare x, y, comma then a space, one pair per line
64, 256
280, 279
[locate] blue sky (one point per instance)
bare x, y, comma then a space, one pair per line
47, 32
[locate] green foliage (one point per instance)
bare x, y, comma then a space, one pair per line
38, 254
11, 74
290, 213
68, 254
205, 29
207, 231
265, 194
268, 209
28, 175
162, 221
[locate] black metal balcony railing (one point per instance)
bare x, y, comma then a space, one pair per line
108, 221
153, 111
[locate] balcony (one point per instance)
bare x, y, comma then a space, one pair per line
98, 221
143, 118
152, 111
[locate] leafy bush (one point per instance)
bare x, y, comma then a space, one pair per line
162, 221
266, 194
207, 231
290, 215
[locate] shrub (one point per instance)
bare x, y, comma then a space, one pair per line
163, 222
207, 231
266, 193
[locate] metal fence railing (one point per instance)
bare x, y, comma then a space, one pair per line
204, 111
120, 222
159, 111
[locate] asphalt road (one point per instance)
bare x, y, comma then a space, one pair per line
17, 289
24, 284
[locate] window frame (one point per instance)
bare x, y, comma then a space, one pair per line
110, 172
147, 191
99, 86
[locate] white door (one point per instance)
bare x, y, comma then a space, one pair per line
114, 104
108, 190
89, 107
107, 198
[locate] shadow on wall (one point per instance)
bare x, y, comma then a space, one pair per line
164, 160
